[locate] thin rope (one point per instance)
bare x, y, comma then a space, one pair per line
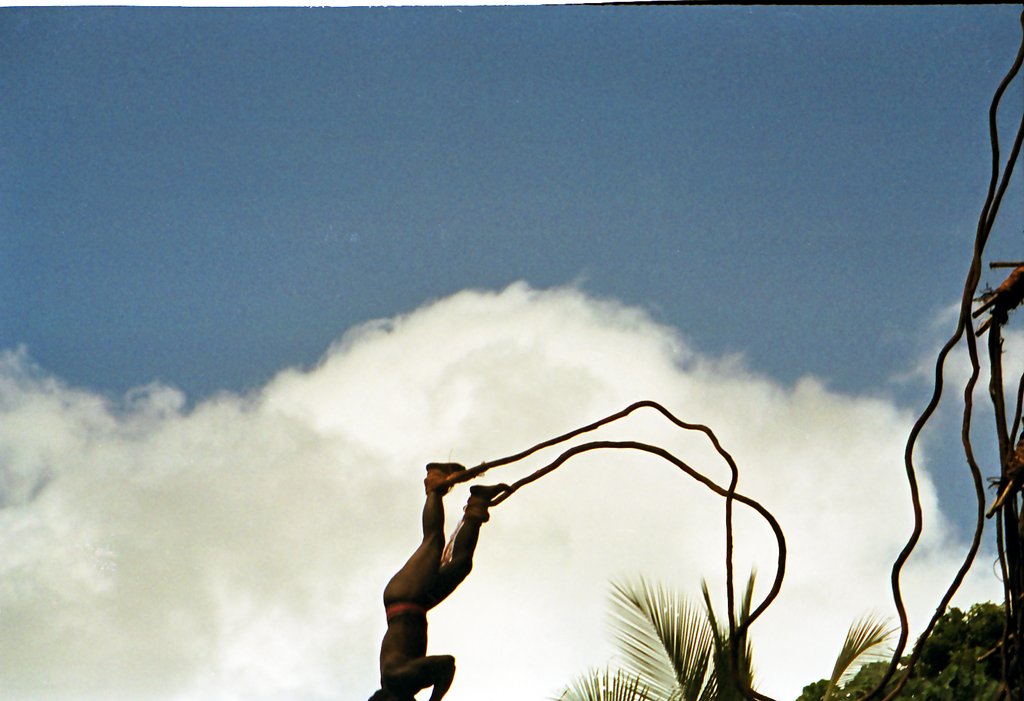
734, 478
736, 633
997, 187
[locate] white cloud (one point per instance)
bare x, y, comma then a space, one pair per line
238, 550
946, 424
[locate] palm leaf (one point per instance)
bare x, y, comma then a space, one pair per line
665, 641
729, 675
865, 635
598, 686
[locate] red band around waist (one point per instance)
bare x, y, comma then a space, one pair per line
404, 607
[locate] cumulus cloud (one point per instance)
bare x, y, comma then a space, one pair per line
956, 372
238, 549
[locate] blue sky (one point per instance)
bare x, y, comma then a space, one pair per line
208, 198
204, 196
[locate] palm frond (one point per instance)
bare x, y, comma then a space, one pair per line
866, 634
729, 675
710, 690
664, 640
604, 686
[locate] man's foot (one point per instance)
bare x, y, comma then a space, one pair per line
480, 498
438, 474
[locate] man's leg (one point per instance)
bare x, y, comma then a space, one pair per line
413, 581
456, 569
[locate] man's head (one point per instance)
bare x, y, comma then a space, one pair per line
384, 695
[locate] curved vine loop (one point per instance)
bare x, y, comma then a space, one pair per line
736, 632
997, 188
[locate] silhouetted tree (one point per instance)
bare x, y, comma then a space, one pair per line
960, 661
671, 650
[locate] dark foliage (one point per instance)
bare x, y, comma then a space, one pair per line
960, 661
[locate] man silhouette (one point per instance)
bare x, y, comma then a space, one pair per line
429, 576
